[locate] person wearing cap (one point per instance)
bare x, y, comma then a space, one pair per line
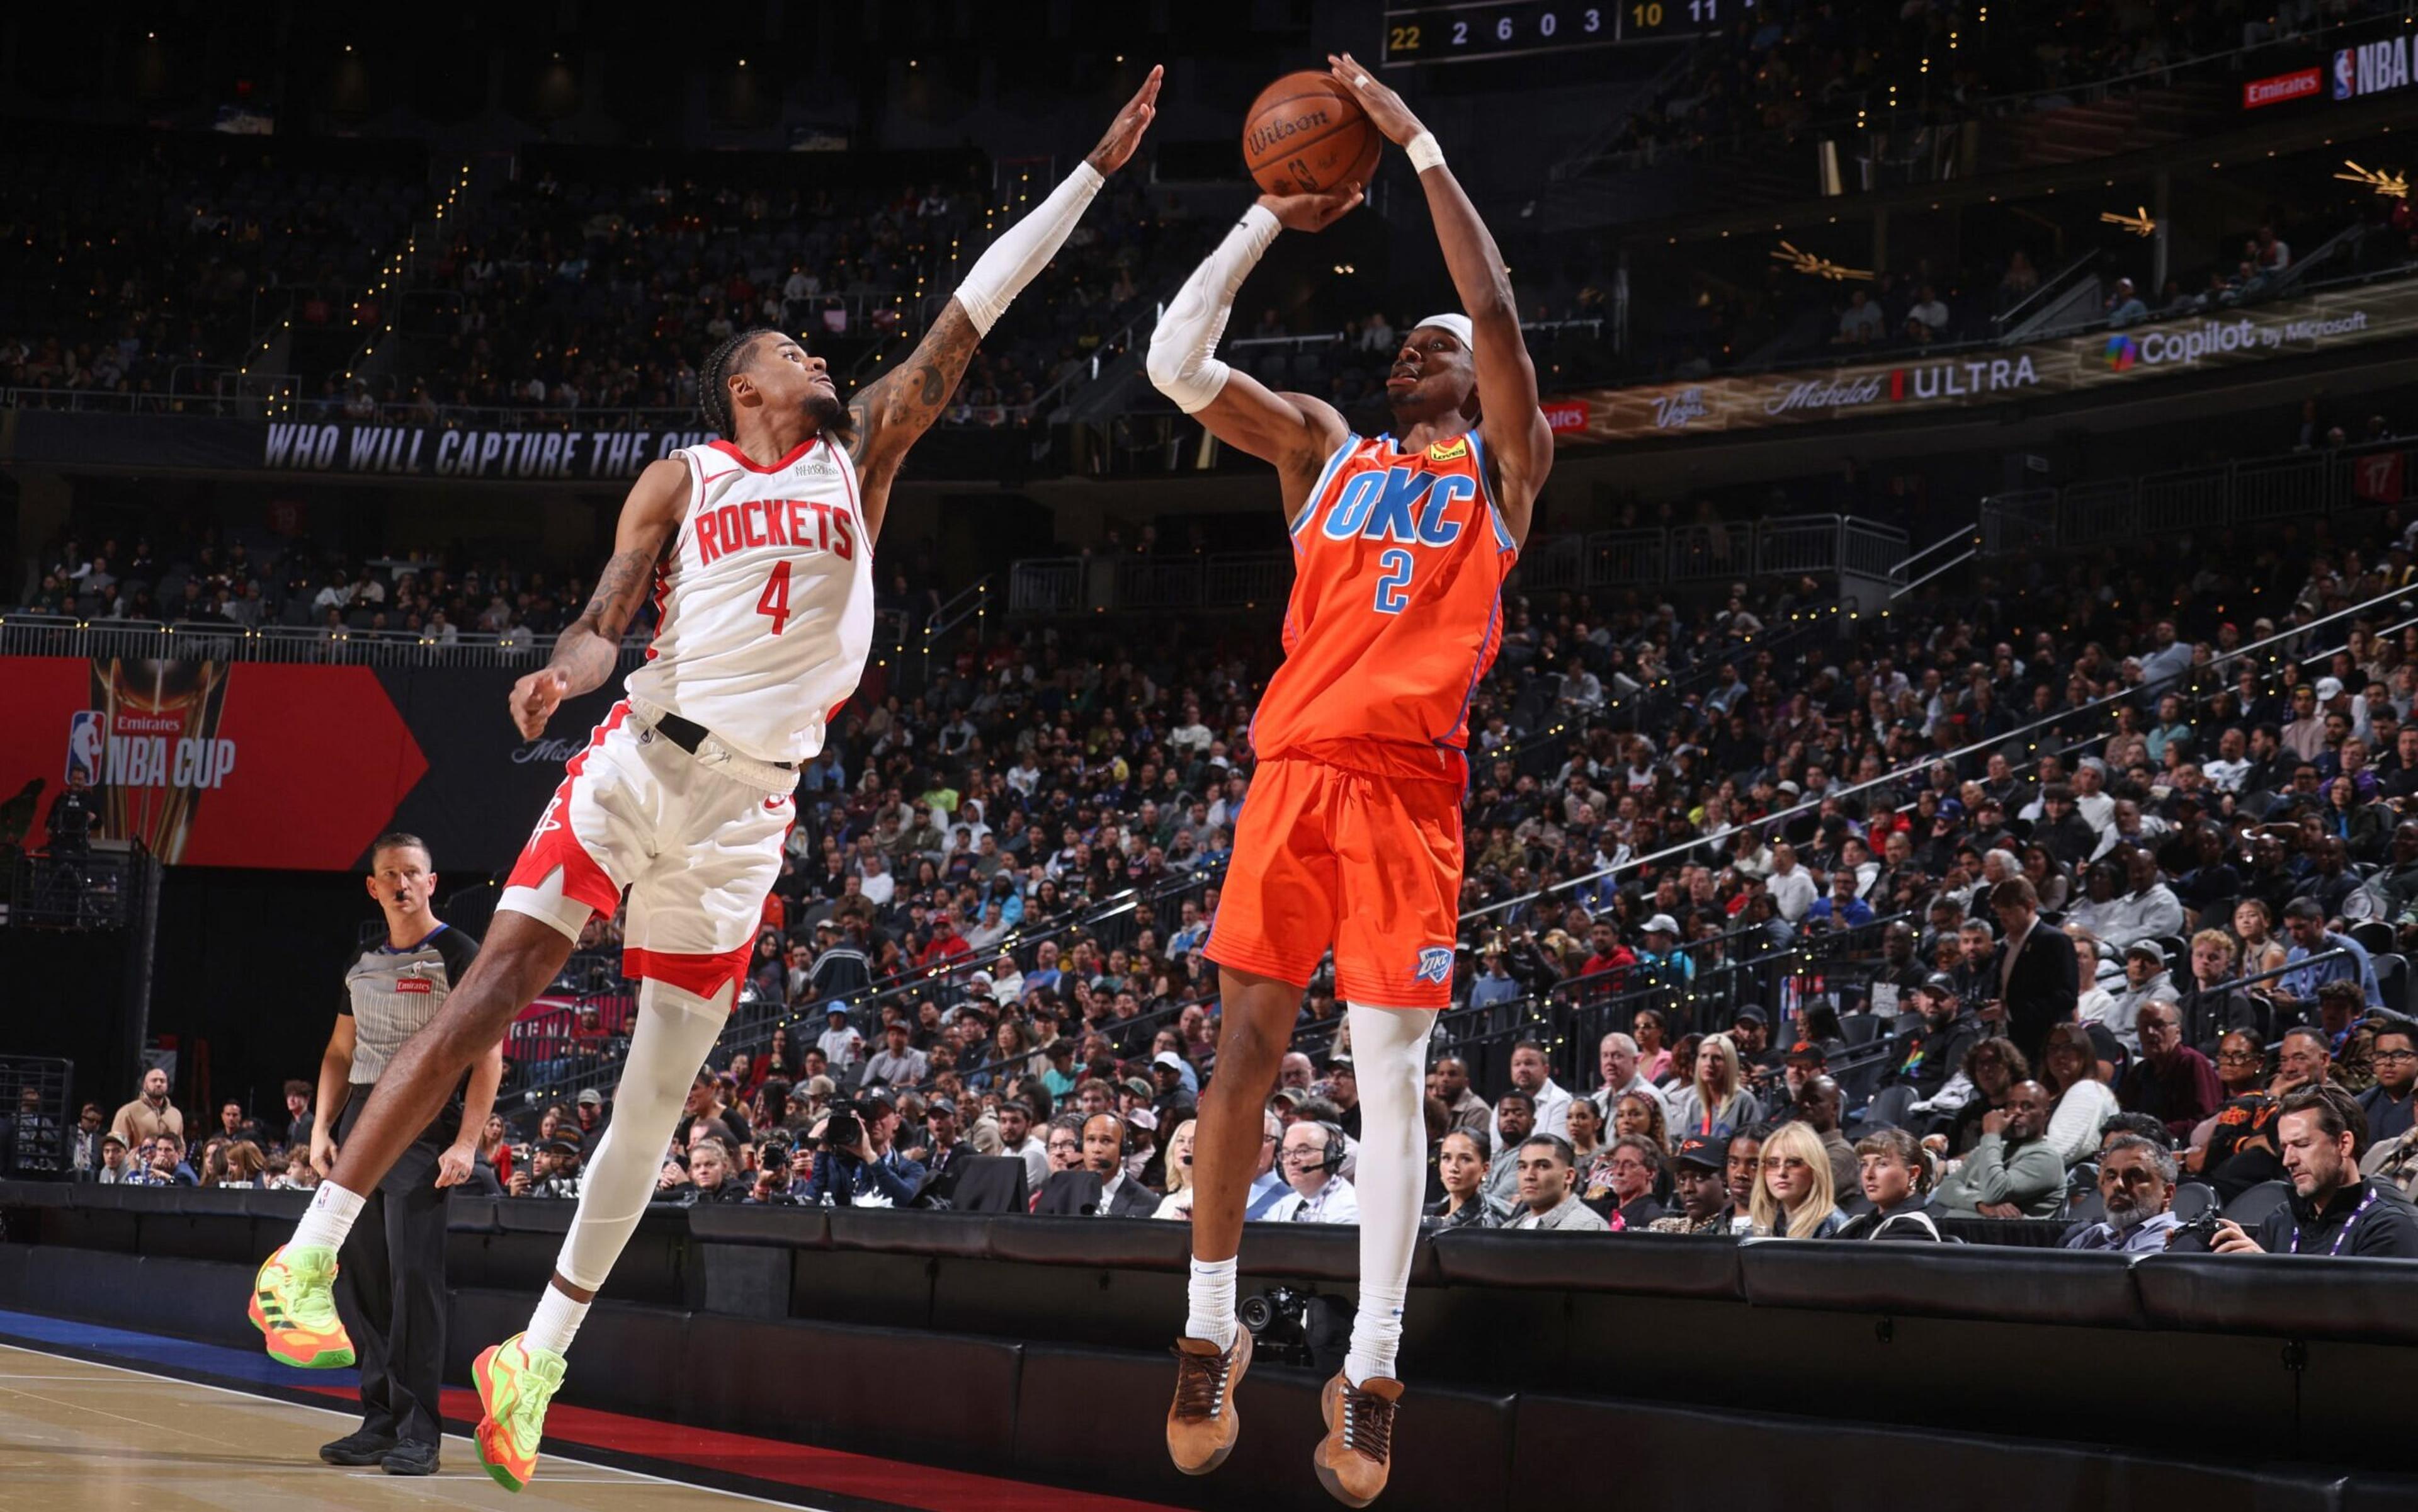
1660, 963
2147, 978
1700, 1180
113, 1166
1933, 1055
1343, 1089
840, 1043
1165, 1064
554, 1168
1751, 1035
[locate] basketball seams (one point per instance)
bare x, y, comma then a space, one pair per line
1275, 157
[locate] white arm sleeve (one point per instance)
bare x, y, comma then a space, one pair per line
1181, 365
1025, 248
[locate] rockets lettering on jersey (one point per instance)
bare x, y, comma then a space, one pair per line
1396, 611
765, 601
785, 522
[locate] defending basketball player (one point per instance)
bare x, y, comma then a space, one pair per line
759, 550
1352, 837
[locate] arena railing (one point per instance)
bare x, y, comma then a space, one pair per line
1107, 923
2381, 474
1570, 1017
48, 634
1918, 769
1792, 544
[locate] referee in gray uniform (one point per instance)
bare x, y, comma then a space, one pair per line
391, 1273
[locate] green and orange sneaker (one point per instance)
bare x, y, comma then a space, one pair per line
515, 1381
294, 1307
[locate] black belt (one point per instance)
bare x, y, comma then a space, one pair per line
688, 734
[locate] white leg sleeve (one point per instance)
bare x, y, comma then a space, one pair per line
1181, 363
1024, 249
675, 1031
1389, 1057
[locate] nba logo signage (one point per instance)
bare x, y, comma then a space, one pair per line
87, 739
2372, 68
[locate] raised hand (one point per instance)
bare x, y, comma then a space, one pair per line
1124, 132
1311, 213
1384, 107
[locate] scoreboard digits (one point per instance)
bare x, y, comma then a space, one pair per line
1510, 28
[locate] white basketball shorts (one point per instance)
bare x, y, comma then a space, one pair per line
697, 839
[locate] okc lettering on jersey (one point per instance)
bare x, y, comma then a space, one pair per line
1404, 504
813, 524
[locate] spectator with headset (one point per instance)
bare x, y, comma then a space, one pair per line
1313, 1162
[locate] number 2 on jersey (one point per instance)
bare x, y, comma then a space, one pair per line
1393, 590
775, 599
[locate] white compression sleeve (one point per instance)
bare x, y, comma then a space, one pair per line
675, 1031
1389, 1055
1181, 362
1025, 248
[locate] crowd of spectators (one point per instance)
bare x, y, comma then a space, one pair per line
1799, 64
578, 292
2041, 935
124, 258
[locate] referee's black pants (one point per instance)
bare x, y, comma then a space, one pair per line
391, 1286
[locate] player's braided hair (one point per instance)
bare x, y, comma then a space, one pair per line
714, 380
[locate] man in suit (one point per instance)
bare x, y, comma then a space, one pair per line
2037, 975
1104, 1156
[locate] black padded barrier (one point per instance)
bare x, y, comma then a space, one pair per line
1540, 1365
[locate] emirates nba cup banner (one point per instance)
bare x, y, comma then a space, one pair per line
1912, 383
213, 763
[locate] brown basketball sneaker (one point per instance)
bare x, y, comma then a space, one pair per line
1358, 1448
1201, 1425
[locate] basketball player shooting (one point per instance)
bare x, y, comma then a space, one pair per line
1352, 838
759, 550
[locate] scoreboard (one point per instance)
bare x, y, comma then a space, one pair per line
1515, 28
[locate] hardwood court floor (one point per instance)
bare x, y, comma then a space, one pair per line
95, 1438
95, 1418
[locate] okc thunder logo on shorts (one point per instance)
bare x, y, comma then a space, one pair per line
1436, 964
2121, 353
2346, 74
88, 736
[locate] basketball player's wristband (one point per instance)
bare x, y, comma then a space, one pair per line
1181, 364
1025, 248
1423, 152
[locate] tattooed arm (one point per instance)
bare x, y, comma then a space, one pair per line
586, 651
889, 415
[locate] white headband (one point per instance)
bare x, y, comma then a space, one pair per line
1458, 325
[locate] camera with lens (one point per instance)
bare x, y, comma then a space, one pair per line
2195, 1235
844, 1128
1298, 1327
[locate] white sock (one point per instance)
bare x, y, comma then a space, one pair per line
328, 1219
1211, 1295
557, 1319
676, 1030
1390, 1056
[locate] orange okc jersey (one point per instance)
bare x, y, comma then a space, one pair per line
1397, 608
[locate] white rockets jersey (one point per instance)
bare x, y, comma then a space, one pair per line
764, 606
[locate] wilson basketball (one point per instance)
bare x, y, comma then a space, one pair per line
1306, 135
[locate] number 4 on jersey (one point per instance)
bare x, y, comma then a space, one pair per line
775, 599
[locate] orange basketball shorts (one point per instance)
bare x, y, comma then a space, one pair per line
1368, 865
